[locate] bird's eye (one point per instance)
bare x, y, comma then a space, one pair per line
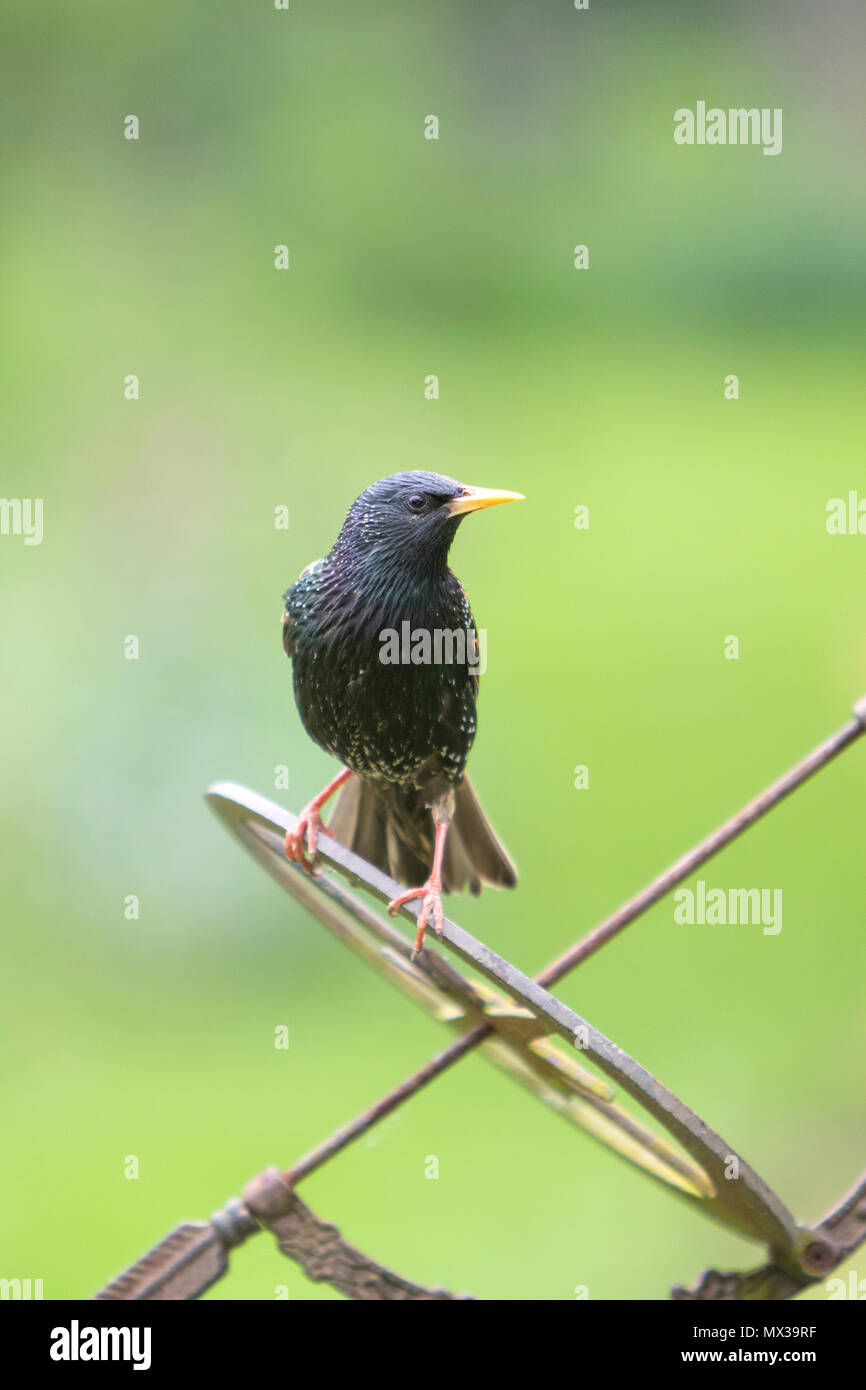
416, 502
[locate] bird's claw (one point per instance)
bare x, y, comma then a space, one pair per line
301, 843
431, 895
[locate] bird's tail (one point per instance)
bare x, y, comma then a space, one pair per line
393, 829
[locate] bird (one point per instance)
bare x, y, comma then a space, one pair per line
385, 663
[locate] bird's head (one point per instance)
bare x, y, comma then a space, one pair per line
408, 520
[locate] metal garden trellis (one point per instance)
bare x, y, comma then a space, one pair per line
521, 1027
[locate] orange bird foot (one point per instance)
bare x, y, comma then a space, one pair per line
300, 843
306, 832
431, 894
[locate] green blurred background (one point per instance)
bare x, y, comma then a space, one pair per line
259, 388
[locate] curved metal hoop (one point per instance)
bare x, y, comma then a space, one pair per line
527, 1027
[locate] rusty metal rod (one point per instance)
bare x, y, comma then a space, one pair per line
685, 867
414, 1083
589, 944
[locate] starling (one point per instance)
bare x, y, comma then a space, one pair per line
385, 662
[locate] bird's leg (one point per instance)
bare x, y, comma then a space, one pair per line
431, 891
310, 823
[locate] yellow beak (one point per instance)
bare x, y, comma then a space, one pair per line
472, 499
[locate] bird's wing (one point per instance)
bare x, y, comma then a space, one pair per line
289, 598
455, 731
288, 633
468, 620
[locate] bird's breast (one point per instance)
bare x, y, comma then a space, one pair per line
392, 705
